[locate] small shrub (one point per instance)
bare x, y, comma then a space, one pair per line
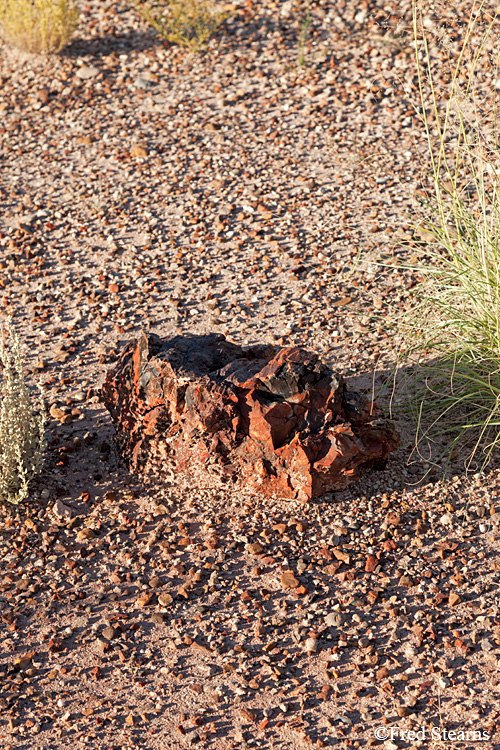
38, 26
189, 23
22, 442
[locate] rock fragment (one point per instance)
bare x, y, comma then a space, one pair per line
278, 421
311, 645
288, 580
87, 71
334, 620
108, 633
61, 510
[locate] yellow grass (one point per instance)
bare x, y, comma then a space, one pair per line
38, 26
189, 23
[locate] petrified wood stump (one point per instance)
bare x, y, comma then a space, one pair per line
277, 421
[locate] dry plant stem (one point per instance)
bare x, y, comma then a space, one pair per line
438, 161
304, 33
22, 442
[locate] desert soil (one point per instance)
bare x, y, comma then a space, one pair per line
144, 186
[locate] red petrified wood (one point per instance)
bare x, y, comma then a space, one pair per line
276, 420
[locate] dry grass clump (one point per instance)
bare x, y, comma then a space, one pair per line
189, 23
38, 26
22, 442
455, 330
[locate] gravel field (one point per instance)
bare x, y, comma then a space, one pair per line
236, 191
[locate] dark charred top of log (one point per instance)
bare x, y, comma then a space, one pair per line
274, 372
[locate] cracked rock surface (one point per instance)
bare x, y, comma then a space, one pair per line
273, 419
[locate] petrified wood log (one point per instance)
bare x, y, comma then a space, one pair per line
276, 420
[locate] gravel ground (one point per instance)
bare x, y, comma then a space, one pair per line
239, 192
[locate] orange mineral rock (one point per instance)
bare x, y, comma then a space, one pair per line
277, 421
